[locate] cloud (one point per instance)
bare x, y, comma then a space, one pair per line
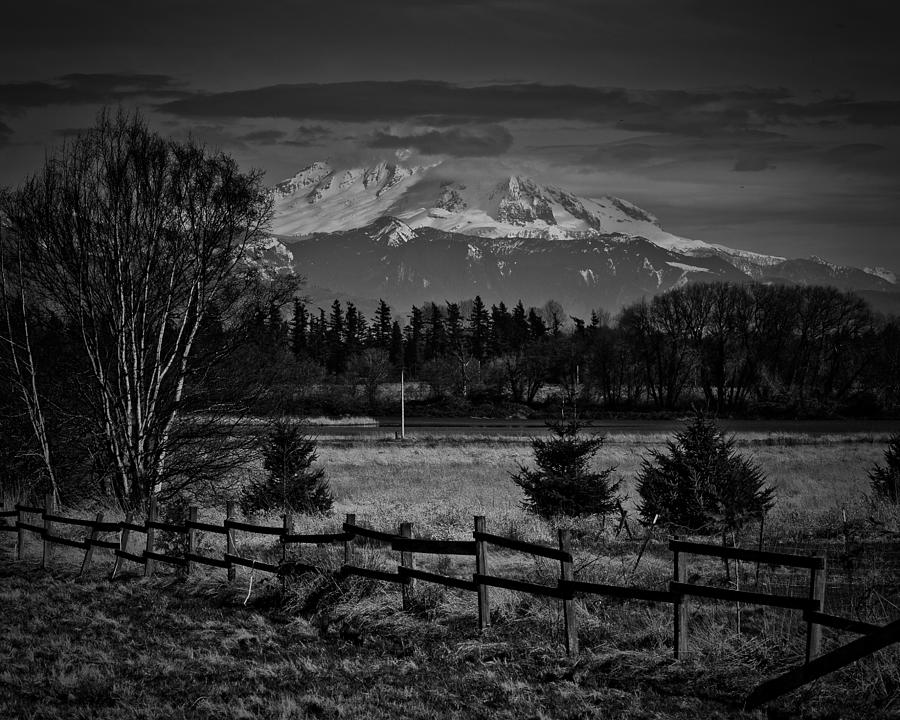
693, 113
446, 103
843, 154
309, 135
751, 162
483, 141
88, 89
5, 134
262, 137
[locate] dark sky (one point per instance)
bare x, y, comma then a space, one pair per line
773, 126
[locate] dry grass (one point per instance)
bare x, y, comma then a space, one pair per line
135, 648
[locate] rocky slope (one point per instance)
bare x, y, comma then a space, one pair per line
410, 234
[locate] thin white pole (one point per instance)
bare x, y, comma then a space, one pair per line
402, 407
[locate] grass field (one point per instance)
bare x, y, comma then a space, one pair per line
136, 648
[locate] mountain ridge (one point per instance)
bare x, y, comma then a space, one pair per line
403, 232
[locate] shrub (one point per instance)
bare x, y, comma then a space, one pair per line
886, 479
563, 483
700, 483
291, 483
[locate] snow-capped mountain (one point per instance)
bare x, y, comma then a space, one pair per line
410, 234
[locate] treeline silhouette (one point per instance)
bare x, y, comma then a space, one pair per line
732, 348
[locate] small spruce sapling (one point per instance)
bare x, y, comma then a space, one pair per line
885, 478
701, 484
291, 483
563, 483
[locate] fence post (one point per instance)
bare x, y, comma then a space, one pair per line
481, 568
20, 536
48, 528
816, 593
229, 538
681, 608
191, 540
571, 620
151, 533
89, 553
407, 560
123, 545
288, 525
348, 543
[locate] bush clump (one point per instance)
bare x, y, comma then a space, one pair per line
885, 478
563, 483
700, 483
291, 483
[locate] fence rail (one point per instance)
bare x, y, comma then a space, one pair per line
407, 574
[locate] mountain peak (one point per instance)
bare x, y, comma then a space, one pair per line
308, 177
391, 231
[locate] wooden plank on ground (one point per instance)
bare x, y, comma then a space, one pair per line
434, 547
824, 664
521, 546
760, 556
625, 592
743, 596
521, 586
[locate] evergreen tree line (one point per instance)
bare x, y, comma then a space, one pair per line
730, 347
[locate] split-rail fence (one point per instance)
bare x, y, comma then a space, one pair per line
567, 587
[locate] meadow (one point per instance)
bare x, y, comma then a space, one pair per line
88, 647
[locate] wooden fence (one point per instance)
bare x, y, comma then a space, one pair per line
566, 588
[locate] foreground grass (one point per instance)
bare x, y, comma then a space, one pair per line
135, 648
138, 648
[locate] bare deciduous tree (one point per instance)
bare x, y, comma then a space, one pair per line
133, 239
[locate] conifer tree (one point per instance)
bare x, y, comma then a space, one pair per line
519, 330
291, 483
299, 329
435, 337
536, 326
701, 484
479, 329
382, 326
413, 345
336, 357
886, 478
395, 353
563, 484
